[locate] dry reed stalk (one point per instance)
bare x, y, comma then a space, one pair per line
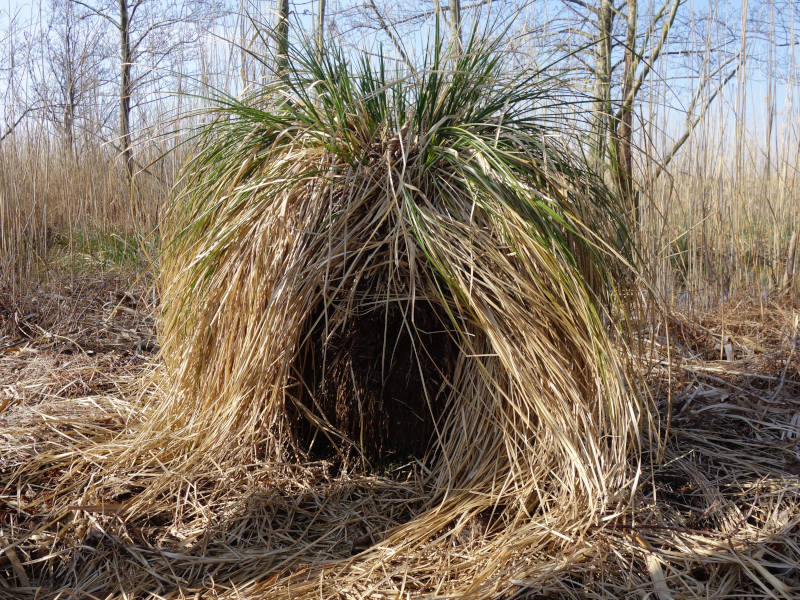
55, 207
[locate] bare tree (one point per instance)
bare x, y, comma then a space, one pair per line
601, 93
126, 60
622, 140
139, 23
15, 55
624, 37
319, 34
282, 35
455, 24
73, 54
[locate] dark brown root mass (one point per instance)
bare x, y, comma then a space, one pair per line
379, 380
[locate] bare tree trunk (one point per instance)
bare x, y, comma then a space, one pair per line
601, 94
70, 92
69, 112
282, 36
455, 25
624, 127
320, 32
125, 87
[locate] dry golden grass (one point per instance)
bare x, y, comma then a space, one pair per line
709, 238
57, 210
466, 208
191, 487
718, 518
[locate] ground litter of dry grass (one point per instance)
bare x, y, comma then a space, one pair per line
717, 517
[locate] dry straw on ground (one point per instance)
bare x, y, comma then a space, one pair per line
314, 212
717, 518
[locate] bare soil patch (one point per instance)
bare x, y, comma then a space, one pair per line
73, 339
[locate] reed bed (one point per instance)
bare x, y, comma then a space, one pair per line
58, 207
709, 239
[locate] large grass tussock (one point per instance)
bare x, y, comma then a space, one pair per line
334, 197
410, 273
